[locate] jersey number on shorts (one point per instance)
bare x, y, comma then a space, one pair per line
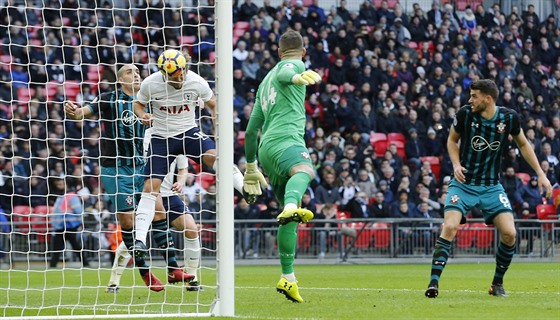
505, 201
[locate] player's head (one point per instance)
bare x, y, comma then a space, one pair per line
128, 77
291, 44
173, 64
484, 93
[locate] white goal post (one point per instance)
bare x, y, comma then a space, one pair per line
29, 289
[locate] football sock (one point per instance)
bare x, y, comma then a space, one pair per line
503, 260
164, 241
287, 239
296, 186
144, 216
441, 254
128, 240
291, 277
192, 255
122, 257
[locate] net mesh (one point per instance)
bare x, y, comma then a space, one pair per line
57, 51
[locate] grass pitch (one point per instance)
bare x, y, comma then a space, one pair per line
330, 292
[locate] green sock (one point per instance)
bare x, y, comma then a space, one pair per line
296, 186
287, 240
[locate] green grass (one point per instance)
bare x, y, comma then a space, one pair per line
330, 292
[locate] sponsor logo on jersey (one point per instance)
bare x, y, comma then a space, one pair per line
501, 127
478, 144
128, 118
474, 124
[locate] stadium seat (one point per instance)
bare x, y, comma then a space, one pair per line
208, 236
212, 57
379, 142
391, 3
21, 216
396, 136
435, 165
24, 95
381, 235
188, 40
547, 212
238, 32
364, 237
6, 59
400, 148
241, 137
465, 236
461, 5
304, 236
483, 236
525, 177
413, 45
195, 165
206, 180
242, 25
42, 210
72, 89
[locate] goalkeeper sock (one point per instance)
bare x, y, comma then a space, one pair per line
287, 240
503, 260
192, 256
441, 254
128, 240
122, 257
164, 241
144, 216
296, 186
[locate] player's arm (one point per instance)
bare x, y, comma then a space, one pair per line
75, 112
253, 179
289, 75
453, 149
182, 173
211, 104
140, 112
529, 156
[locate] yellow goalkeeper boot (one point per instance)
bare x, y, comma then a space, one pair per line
298, 215
289, 289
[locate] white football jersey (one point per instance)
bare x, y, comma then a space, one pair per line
173, 110
180, 162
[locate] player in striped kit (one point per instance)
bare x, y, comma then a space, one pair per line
178, 217
483, 130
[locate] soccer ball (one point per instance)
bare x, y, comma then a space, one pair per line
171, 61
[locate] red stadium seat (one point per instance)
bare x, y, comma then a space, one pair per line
241, 137
391, 3
242, 25
206, 180
465, 236
212, 57
381, 235
525, 177
304, 236
379, 142
188, 40
364, 238
42, 210
21, 216
434, 164
547, 212
396, 136
483, 235
25, 94
400, 148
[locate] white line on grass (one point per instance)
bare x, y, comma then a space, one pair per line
401, 290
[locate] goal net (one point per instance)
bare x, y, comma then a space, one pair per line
55, 51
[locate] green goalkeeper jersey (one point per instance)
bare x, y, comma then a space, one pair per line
279, 109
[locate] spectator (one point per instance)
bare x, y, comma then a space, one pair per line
414, 148
250, 242
511, 183
358, 206
327, 191
326, 231
365, 184
379, 208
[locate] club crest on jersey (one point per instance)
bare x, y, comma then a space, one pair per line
128, 201
128, 118
478, 144
305, 155
454, 198
501, 127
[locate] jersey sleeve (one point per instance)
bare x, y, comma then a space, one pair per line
251, 134
515, 123
182, 162
288, 70
206, 92
93, 106
459, 121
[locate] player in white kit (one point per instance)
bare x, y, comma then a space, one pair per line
172, 98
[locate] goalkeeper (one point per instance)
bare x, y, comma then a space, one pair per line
280, 112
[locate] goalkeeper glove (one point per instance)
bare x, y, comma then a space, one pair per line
308, 77
253, 180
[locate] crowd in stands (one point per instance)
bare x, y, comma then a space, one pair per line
397, 72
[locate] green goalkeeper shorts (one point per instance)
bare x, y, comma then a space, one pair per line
277, 165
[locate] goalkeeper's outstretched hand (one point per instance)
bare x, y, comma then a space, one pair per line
253, 180
306, 78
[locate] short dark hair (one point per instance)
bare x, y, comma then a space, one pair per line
486, 86
291, 40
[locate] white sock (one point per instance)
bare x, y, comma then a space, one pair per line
290, 206
122, 257
237, 177
192, 256
144, 216
291, 277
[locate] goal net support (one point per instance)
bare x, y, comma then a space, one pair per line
57, 51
